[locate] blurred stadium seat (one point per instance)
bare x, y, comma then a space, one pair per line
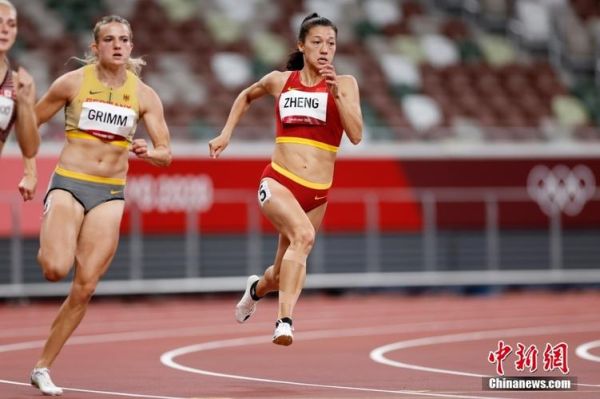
426, 68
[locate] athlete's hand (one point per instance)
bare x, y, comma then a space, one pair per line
24, 87
27, 186
140, 148
217, 145
328, 72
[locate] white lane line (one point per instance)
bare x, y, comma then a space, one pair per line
378, 354
131, 395
168, 360
146, 335
199, 331
218, 329
583, 351
126, 336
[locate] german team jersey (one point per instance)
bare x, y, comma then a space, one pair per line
8, 96
109, 114
307, 115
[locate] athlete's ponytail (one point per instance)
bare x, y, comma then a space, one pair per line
296, 59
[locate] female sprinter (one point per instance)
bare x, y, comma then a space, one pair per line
103, 101
17, 99
314, 107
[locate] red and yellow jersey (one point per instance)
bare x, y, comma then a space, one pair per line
307, 115
8, 96
109, 114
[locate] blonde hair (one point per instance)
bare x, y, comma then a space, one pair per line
133, 64
8, 4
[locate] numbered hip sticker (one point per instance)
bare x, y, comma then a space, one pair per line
263, 192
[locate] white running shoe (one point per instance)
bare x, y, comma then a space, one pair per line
246, 306
283, 333
40, 378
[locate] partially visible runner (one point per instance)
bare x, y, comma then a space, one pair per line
17, 99
103, 102
314, 106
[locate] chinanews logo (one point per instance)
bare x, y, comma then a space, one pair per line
553, 358
561, 189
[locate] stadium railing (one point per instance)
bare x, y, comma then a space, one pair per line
491, 254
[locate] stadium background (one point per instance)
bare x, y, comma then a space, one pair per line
478, 166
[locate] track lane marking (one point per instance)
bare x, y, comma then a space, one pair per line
378, 354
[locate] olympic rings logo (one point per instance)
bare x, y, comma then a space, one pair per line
561, 189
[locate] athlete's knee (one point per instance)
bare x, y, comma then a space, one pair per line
54, 268
303, 238
83, 292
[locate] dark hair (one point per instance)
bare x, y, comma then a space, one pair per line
296, 59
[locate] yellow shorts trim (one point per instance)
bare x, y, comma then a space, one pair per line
78, 134
303, 182
91, 178
313, 143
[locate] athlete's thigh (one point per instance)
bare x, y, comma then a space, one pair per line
282, 209
98, 239
316, 216
62, 219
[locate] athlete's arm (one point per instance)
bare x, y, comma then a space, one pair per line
344, 90
28, 182
26, 129
151, 111
272, 83
348, 103
25, 124
58, 95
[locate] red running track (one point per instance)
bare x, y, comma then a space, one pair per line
352, 346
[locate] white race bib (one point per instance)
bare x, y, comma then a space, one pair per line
7, 107
263, 192
302, 107
107, 120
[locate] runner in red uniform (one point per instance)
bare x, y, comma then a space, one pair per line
314, 107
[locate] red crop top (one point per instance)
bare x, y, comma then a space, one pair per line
307, 115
